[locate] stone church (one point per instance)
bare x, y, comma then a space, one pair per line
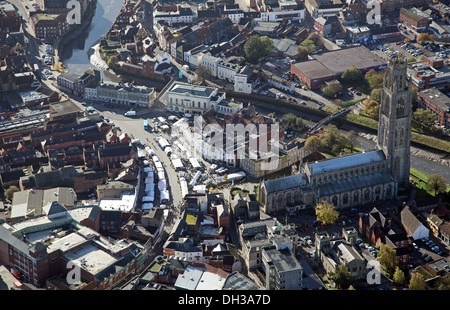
355, 179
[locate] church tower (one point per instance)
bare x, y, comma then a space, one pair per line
394, 128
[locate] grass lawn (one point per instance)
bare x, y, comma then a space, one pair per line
351, 102
421, 179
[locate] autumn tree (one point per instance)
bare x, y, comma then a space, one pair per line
399, 276
443, 283
326, 213
10, 192
425, 37
112, 62
313, 144
436, 182
375, 95
417, 282
372, 108
388, 259
374, 79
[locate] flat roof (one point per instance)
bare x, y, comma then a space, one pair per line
189, 279
339, 60
125, 203
436, 97
91, 258
313, 69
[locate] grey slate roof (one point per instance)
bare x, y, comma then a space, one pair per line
354, 183
346, 162
286, 183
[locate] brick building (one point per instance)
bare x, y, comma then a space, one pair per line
437, 102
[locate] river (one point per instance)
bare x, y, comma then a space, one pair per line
78, 55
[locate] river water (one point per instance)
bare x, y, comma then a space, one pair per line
78, 55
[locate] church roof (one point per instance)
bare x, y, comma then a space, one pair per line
286, 183
355, 182
346, 162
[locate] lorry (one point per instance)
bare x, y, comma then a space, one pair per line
130, 113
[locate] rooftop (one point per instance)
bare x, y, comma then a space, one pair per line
193, 90
346, 162
436, 97
339, 60
282, 184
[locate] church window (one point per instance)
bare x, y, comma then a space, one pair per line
389, 190
400, 107
335, 200
345, 199
402, 135
356, 197
366, 194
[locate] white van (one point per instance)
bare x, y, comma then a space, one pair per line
130, 113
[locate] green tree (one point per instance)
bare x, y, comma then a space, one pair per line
388, 259
341, 276
417, 282
436, 182
302, 52
372, 108
326, 214
352, 75
414, 95
257, 47
314, 36
112, 62
332, 90
425, 117
333, 140
293, 121
309, 45
313, 144
399, 276
10, 192
374, 79
411, 59
375, 94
